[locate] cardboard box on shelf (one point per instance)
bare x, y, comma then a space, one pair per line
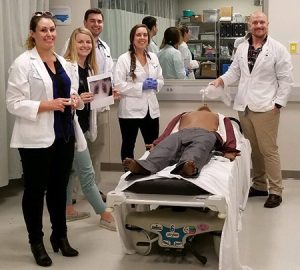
208, 69
196, 19
247, 18
226, 11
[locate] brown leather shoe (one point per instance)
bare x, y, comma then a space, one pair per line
255, 193
273, 201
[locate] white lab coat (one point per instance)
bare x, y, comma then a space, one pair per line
152, 47
189, 64
134, 101
171, 63
92, 133
104, 59
269, 82
29, 83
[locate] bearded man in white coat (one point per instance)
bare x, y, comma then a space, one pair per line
264, 70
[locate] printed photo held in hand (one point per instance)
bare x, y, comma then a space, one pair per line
101, 87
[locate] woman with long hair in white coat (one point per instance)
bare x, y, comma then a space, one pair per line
138, 77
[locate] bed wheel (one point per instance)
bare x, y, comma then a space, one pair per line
143, 241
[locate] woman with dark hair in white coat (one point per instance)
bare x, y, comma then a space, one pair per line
138, 77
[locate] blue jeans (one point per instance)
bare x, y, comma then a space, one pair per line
84, 169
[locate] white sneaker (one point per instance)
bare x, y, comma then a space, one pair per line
77, 216
108, 225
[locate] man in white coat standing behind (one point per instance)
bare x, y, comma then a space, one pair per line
151, 23
94, 21
264, 71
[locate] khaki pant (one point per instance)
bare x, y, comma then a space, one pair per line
261, 129
97, 146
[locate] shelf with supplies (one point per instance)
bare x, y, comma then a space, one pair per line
203, 45
228, 33
212, 44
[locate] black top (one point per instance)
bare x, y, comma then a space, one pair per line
63, 121
253, 53
83, 115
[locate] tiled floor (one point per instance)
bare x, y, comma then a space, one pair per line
269, 240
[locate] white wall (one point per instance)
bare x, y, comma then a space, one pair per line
78, 9
284, 26
245, 7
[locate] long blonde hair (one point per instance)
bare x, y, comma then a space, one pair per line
71, 54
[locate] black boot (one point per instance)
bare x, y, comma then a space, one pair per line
64, 246
39, 253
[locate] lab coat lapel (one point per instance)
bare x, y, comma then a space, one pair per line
151, 68
261, 57
245, 59
42, 72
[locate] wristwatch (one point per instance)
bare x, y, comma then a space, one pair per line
278, 106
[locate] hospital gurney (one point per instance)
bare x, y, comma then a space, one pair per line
173, 220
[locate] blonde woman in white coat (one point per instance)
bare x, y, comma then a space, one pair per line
94, 21
82, 57
138, 77
38, 95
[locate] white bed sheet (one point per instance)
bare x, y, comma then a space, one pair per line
221, 177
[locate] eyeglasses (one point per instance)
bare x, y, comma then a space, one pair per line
41, 13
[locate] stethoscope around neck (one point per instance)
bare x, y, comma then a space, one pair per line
102, 47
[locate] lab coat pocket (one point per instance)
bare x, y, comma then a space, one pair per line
134, 104
33, 131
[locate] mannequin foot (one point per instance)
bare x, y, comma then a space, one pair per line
131, 165
189, 169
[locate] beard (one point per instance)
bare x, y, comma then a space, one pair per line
259, 33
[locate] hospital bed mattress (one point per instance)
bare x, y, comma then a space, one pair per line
163, 185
